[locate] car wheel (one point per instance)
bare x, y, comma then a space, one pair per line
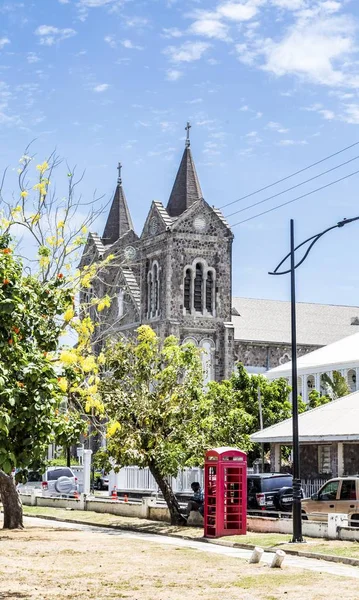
99, 484
304, 516
354, 521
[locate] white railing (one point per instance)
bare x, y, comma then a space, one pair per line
140, 480
310, 487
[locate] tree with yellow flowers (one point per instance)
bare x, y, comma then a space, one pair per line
46, 388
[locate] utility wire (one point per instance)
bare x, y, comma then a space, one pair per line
265, 212
292, 188
289, 176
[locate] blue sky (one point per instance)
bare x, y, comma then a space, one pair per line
269, 86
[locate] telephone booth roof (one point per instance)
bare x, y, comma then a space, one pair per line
225, 450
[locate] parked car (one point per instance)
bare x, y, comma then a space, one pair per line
34, 481
270, 492
59, 481
339, 495
101, 480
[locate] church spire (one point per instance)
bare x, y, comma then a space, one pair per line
186, 190
119, 219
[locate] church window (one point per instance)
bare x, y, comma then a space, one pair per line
198, 284
153, 291
199, 289
209, 292
208, 350
187, 289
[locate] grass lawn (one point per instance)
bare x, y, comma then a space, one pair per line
45, 563
265, 540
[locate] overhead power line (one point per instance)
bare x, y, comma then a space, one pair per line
265, 212
266, 187
293, 187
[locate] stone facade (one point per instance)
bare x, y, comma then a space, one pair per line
175, 277
266, 355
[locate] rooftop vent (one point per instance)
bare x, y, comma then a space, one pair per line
354, 321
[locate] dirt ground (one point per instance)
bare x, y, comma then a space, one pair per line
54, 563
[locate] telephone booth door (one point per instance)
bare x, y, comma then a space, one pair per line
225, 510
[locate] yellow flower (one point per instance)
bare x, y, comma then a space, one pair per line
84, 229
105, 302
24, 193
88, 364
63, 384
69, 314
113, 428
44, 261
60, 224
15, 211
42, 168
51, 240
101, 358
86, 280
35, 218
68, 357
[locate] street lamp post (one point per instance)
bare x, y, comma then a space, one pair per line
297, 505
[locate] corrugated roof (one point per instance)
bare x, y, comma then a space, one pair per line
337, 420
269, 321
98, 243
163, 212
341, 353
132, 286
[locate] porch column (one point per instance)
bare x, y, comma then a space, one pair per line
357, 379
277, 461
305, 389
317, 382
340, 459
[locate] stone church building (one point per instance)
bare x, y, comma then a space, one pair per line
176, 276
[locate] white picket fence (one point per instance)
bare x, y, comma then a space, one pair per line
134, 479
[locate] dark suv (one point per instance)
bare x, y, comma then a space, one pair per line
270, 492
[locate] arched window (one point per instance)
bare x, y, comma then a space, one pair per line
208, 349
199, 289
198, 285
153, 291
209, 292
187, 290
120, 296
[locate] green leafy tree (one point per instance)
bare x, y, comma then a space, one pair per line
315, 400
336, 386
152, 395
37, 308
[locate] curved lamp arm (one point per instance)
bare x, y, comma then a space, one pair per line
313, 239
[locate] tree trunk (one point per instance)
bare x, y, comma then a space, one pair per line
68, 456
175, 513
11, 503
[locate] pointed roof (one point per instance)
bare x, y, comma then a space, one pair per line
119, 219
186, 189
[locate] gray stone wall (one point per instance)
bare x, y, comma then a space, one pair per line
266, 355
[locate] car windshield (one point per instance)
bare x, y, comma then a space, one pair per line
56, 473
275, 483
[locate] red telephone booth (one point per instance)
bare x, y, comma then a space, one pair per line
225, 493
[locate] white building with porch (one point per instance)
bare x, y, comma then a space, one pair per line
341, 356
328, 439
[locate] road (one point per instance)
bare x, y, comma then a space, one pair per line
310, 564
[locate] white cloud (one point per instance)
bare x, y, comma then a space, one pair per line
130, 45
276, 127
137, 22
3, 42
173, 75
187, 52
49, 35
172, 32
96, 3
211, 28
237, 11
110, 40
32, 58
289, 4
195, 101
351, 114
102, 87
312, 49
292, 143
252, 134
328, 115
64, 1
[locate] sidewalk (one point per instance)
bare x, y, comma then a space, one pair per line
329, 550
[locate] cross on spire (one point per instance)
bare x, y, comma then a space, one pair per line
187, 128
119, 168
